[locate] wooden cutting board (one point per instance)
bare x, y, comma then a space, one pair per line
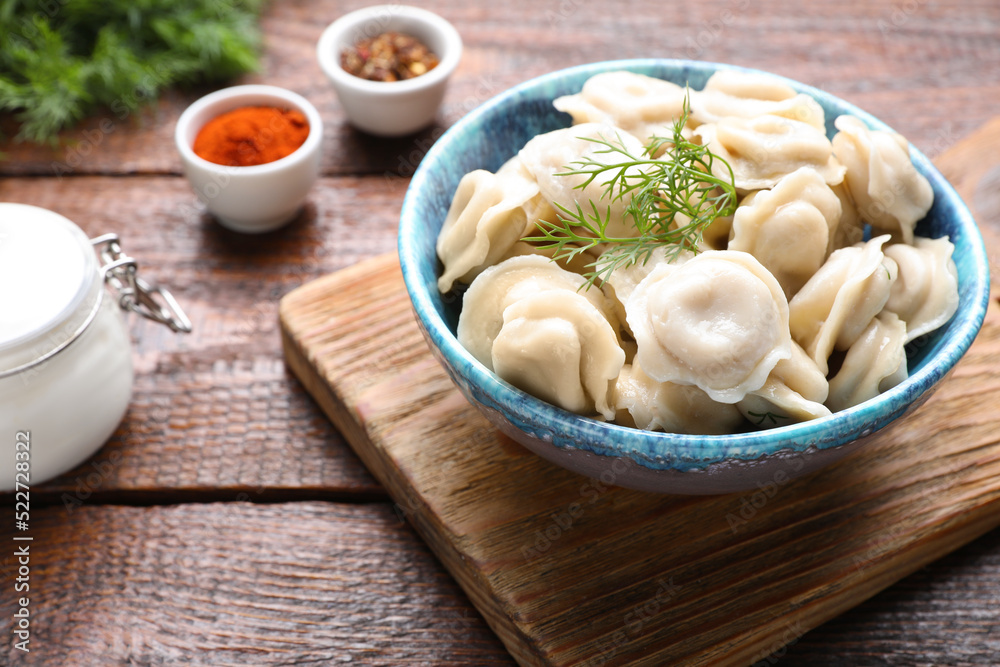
569, 570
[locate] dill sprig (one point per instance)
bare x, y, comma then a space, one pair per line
62, 61
670, 199
762, 417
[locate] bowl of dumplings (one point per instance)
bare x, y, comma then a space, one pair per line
686, 277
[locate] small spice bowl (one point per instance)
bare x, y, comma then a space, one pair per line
390, 108
258, 198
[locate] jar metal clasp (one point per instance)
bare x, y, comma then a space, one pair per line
135, 294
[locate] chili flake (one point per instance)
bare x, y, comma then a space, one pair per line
390, 56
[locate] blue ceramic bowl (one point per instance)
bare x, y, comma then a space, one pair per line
663, 462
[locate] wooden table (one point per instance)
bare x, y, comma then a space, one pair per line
228, 523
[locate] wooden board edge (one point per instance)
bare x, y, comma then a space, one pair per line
963, 167
518, 641
883, 575
413, 508
326, 283
521, 644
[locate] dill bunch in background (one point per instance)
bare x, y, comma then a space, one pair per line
62, 60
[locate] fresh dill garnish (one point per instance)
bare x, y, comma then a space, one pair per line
62, 61
670, 195
765, 416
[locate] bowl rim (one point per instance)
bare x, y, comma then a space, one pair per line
234, 97
610, 439
329, 57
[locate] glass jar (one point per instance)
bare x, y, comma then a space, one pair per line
65, 352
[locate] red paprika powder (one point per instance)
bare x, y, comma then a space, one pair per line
251, 135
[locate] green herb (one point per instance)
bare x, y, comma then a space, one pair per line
765, 416
670, 200
61, 60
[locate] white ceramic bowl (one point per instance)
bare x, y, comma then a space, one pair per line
390, 108
257, 198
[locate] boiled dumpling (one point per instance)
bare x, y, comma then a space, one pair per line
537, 342
794, 392
625, 278
749, 86
713, 236
664, 406
579, 263
775, 404
548, 156
763, 149
641, 105
925, 295
801, 374
788, 228
503, 284
716, 235
875, 363
489, 213
560, 348
850, 230
783, 314
748, 95
837, 304
718, 321
890, 193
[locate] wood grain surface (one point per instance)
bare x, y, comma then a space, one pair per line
217, 420
929, 69
238, 583
570, 570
